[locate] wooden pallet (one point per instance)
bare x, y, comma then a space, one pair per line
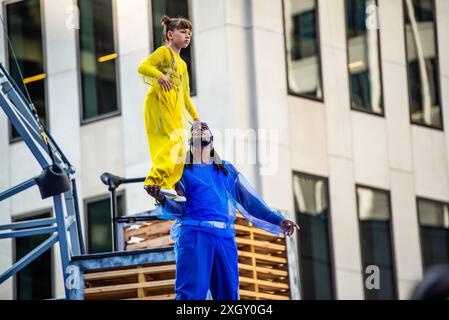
154, 234
263, 267
143, 282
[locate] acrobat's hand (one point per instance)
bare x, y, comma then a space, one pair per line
164, 83
288, 227
155, 191
196, 126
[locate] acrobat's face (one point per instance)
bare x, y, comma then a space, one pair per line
180, 37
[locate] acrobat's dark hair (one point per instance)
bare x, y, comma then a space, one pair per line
171, 24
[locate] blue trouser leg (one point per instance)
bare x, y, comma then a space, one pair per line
195, 253
224, 283
205, 261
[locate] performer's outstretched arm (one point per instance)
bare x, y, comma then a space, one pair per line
253, 204
255, 210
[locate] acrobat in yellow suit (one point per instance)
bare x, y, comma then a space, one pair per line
165, 115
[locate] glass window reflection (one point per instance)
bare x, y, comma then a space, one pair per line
312, 214
364, 57
422, 63
98, 59
376, 241
302, 48
24, 28
434, 228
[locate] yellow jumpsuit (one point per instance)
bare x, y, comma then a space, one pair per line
165, 116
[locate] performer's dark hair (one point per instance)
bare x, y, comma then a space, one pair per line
218, 163
171, 24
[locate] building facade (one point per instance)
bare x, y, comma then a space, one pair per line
339, 108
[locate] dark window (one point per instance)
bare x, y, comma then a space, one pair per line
434, 228
98, 59
356, 17
360, 88
99, 234
24, 26
363, 57
312, 214
422, 63
304, 33
302, 48
173, 8
34, 281
376, 242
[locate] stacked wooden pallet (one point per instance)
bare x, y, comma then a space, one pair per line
263, 267
148, 235
146, 282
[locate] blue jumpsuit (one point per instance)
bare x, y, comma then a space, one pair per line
204, 234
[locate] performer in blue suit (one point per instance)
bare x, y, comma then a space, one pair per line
204, 234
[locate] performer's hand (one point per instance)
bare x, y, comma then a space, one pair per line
288, 226
165, 83
155, 191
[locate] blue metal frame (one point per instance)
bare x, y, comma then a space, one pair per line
19, 188
28, 232
23, 116
29, 257
28, 224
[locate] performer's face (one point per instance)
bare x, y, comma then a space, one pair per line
180, 37
201, 135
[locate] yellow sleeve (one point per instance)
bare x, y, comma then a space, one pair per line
149, 68
187, 101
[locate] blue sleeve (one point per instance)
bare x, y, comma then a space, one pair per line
251, 206
170, 209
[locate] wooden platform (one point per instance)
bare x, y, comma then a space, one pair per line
263, 267
147, 281
155, 234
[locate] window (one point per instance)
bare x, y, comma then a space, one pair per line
173, 8
363, 58
34, 281
433, 220
422, 63
376, 241
312, 214
98, 60
24, 28
99, 235
302, 48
